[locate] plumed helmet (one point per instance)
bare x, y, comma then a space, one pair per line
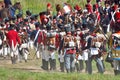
77, 7
58, 7
49, 5
26, 20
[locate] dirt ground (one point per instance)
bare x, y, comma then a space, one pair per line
34, 65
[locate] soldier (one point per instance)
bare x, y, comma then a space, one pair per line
89, 6
60, 51
79, 57
52, 38
117, 20
35, 37
69, 50
13, 41
23, 49
94, 50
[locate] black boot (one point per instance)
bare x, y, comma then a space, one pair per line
62, 66
117, 72
77, 67
54, 64
43, 64
81, 65
12, 60
68, 70
86, 63
72, 70
46, 65
51, 64
16, 58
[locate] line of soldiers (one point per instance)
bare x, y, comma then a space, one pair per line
74, 34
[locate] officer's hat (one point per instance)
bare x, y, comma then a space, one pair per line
12, 26
6, 20
58, 7
37, 24
26, 20
13, 18
19, 16
32, 17
28, 13
36, 16
42, 15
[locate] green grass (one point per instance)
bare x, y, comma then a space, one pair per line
10, 74
36, 6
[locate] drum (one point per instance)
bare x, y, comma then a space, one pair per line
116, 52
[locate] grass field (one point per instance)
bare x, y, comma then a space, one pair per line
10, 74
36, 6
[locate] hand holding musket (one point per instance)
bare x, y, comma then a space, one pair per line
23, 36
78, 18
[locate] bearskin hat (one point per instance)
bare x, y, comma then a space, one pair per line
95, 6
28, 13
88, 1
58, 7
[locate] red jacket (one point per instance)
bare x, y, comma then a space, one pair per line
42, 38
117, 16
57, 40
12, 35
